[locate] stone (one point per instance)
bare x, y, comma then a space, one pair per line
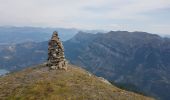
56, 58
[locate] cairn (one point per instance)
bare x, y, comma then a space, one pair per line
56, 58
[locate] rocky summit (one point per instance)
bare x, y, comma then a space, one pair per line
42, 83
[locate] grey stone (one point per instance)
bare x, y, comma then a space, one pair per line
56, 58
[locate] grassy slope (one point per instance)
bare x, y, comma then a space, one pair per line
40, 83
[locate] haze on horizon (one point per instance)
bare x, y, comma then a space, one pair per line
129, 15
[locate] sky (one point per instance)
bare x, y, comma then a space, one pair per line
126, 15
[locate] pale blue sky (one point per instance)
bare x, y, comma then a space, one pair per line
132, 15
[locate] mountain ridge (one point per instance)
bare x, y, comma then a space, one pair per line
133, 59
41, 83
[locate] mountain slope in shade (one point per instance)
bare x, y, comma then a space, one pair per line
41, 83
136, 59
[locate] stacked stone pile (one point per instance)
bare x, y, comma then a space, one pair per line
56, 58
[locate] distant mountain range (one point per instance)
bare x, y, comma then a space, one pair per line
34, 34
137, 59
167, 36
3, 72
132, 59
15, 35
18, 56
